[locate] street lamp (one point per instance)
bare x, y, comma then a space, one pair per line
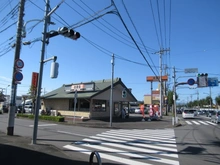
6, 89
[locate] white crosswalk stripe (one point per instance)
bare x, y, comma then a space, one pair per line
199, 122
139, 147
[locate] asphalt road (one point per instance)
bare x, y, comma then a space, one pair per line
196, 141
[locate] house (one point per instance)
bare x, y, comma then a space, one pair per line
89, 99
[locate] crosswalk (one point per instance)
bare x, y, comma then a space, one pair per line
131, 147
199, 122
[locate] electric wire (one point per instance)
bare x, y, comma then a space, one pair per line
108, 53
114, 28
158, 11
134, 40
138, 34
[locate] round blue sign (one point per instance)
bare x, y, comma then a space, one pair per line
191, 81
18, 76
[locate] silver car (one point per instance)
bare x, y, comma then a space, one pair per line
215, 117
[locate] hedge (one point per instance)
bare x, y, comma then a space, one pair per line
43, 117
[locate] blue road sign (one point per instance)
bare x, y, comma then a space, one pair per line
18, 76
212, 81
191, 81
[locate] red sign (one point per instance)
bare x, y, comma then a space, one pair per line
157, 78
34, 80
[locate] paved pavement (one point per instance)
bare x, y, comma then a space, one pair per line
18, 151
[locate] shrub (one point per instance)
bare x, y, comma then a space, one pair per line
43, 117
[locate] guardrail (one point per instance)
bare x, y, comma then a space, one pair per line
98, 158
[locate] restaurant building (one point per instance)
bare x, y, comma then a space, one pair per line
89, 99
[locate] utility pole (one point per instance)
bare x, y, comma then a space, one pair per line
161, 52
174, 96
111, 93
11, 114
44, 37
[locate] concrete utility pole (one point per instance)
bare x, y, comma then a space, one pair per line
111, 93
46, 21
161, 52
174, 97
11, 114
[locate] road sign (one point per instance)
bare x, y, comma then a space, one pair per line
191, 70
157, 78
191, 81
19, 63
212, 81
18, 76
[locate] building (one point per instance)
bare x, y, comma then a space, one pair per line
89, 99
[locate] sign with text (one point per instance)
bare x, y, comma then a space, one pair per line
212, 81
157, 78
80, 87
191, 70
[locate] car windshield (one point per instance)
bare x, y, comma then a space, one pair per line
189, 111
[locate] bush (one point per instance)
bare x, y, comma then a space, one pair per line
43, 117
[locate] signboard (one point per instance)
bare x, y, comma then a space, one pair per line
191, 81
79, 87
19, 63
191, 70
34, 79
18, 76
157, 78
212, 81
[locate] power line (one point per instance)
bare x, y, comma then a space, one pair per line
137, 32
133, 39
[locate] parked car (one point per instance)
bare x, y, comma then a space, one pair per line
132, 110
215, 117
137, 111
209, 113
20, 109
5, 109
188, 113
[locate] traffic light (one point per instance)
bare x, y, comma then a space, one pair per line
202, 79
70, 33
124, 93
54, 70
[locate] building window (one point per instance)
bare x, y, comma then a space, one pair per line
99, 105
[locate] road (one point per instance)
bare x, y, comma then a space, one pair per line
196, 141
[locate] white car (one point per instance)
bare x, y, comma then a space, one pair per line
188, 113
137, 111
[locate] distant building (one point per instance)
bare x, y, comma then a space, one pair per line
89, 99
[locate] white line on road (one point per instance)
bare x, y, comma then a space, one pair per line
211, 123
203, 122
188, 122
105, 156
43, 125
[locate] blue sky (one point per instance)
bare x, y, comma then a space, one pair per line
190, 29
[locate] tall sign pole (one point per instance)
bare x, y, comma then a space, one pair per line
11, 114
46, 21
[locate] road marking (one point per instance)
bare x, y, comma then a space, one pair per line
43, 125
196, 122
211, 123
105, 156
188, 122
203, 122
132, 147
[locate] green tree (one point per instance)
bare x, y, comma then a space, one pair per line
217, 100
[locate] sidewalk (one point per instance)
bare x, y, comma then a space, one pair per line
128, 123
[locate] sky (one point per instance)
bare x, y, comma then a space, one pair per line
135, 32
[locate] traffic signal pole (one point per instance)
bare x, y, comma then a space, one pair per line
11, 114
44, 37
